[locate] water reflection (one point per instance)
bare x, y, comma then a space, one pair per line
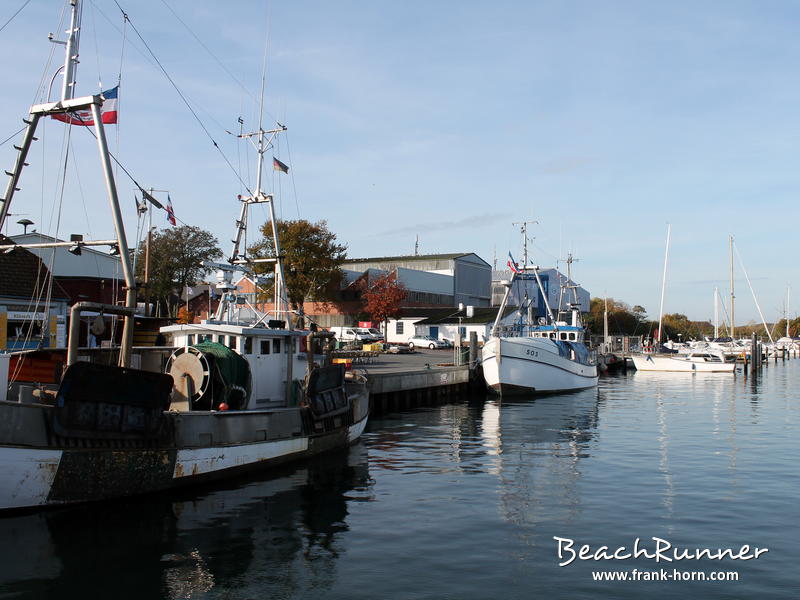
283, 531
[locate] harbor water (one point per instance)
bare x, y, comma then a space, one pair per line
464, 501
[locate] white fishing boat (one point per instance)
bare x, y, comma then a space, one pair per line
533, 357
236, 396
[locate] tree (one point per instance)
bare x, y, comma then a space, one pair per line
383, 298
176, 260
312, 259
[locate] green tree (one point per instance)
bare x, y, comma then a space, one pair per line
312, 259
176, 260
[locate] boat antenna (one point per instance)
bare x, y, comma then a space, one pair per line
523, 228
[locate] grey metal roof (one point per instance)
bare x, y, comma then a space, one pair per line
411, 257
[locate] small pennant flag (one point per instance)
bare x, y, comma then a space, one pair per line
108, 111
170, 212
512, 264
140, 208
279, 166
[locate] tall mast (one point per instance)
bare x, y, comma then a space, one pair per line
71, 54
787, 310
733, 320
66, 105
663, 284
716, 313
523, 228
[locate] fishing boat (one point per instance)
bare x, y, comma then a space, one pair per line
235, 396
537, 356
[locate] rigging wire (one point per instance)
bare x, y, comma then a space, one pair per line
294, 184
182, 96
11, 18
210, 53
13, 135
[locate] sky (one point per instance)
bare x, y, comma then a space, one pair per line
600, 121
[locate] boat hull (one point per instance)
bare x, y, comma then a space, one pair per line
529, 366
44, 469
675, 364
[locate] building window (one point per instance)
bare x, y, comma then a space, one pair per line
265, 346
398, 328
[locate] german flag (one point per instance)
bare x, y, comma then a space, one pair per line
279, 166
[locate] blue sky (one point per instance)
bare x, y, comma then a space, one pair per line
603, 121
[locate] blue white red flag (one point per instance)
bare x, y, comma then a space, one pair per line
170, 212
108, 111
512, 264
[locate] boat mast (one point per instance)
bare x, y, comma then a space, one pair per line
786, 312
69, 104
733, 321
716, 313
663, 284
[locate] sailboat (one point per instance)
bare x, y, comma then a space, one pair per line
693, 361
236, 396
536, 356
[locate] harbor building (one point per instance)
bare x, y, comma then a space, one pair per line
431, 281
465, 278
31, 315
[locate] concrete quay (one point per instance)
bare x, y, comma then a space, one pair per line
423, 378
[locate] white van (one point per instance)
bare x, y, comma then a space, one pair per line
351, 334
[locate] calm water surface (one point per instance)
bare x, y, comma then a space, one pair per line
462, 502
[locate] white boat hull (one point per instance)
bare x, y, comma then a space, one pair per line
528, 365
679, 364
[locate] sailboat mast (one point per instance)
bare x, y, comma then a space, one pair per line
787, 310
716, 313
733, 321
663, 283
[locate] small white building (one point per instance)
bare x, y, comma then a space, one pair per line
443, 324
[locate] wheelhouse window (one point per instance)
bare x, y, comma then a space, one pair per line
265, 346
248, 345
276, 346
190, 339
572, 335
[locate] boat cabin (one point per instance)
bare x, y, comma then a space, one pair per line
266, 351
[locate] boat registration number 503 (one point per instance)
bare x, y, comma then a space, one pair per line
530, 352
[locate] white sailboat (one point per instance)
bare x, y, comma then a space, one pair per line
532, 357
693, 361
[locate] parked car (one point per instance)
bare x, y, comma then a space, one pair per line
351, 334
372, 334
426, 341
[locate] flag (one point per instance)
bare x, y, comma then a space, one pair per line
279, 166
140, 208
512, 264
170, 212
108, 111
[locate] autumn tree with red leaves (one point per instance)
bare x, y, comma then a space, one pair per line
383, 298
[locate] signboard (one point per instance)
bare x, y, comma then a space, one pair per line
16, 315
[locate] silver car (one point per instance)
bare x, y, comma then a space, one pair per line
425, 341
